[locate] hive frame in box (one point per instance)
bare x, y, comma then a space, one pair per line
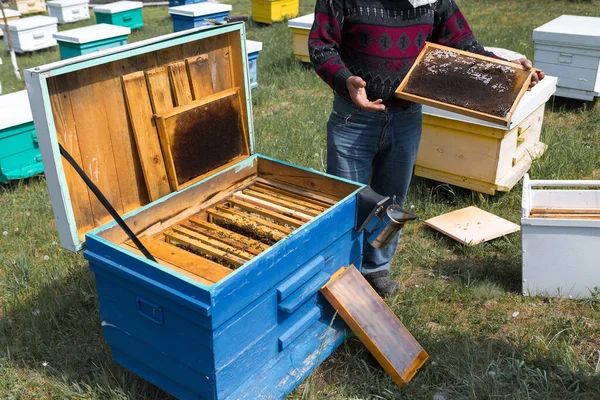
400, 93
561, 232
171, 328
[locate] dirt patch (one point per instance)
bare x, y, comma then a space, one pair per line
467, 82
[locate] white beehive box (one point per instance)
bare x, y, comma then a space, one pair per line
561, 238
68, 11
479, 155
10, 15
31, 34
569, 47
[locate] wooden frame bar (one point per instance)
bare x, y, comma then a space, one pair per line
176, 238
281, 200
264, 212
245, 223
234, 239
278, 209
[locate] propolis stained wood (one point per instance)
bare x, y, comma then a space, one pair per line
177, 322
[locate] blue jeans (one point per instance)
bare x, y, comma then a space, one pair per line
379, 148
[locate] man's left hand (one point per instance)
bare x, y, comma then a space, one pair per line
536, 76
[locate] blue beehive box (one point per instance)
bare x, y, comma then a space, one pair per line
19, 153
89, 39
121, 13
175, 3
239, 316
253, 48
196, 15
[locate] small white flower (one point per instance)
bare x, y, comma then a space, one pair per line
36, 313
515, 314
445, 277
46, 258
54, 243
491, 373
45, 364
416, 285
412, 206
28, 214
5, 233
16, 229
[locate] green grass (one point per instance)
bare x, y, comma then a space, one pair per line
457, 301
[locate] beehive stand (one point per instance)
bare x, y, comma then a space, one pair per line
465, 83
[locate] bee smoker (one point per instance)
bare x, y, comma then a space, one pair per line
379, 217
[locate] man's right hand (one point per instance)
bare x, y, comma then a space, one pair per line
356, 87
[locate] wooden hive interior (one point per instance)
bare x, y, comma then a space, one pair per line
148, 125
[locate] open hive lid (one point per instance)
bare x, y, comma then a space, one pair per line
117, 7
142, 120
199, 9
20, 112
10, 13
303, 22
465, 83
92, 33
570, 30
24, 24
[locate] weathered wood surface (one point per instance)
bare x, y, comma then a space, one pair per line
375, 324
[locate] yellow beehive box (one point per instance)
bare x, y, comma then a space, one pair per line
301, 29
267, 12
29, 6
480, 155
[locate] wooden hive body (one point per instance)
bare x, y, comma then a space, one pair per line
226, 321
29, 6
479, 155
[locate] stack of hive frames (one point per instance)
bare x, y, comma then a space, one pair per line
224, 236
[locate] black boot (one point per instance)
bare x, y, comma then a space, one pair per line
382, 283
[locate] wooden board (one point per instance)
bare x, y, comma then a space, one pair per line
200, 76
146, 137
375, 324
180, 81
215, 123
521, 86
472, 225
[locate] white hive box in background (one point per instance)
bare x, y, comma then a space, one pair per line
561, 238
252, 49
480, 155
10, 15
568, 47
68, 11
31, 34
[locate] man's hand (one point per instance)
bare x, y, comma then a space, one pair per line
536, 76
356, 88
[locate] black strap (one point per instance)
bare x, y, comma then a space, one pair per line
104, 201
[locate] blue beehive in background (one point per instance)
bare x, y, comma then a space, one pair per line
196, 15
253, 48
175, 3
121, 13
89, 39
231, 307
19, 153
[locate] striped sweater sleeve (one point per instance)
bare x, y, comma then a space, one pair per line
324, 43
452, 29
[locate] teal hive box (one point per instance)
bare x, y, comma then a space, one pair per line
121, 13
89, 39
19, 153
259, 330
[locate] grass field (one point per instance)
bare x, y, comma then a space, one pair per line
457, 301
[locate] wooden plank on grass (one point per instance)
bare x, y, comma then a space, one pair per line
197, 245
472, 225
375, 324
146, 135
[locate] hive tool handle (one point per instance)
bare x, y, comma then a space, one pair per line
105, 203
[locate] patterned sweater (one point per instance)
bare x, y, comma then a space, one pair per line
379, 40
